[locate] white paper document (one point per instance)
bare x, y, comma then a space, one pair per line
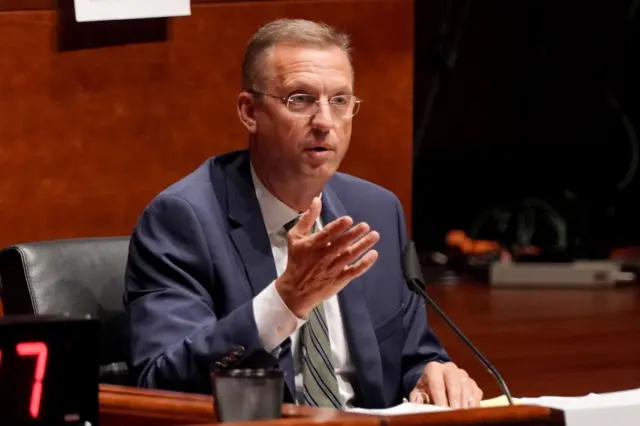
404, 408
110, 10
610, 409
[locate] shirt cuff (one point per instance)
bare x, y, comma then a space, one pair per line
274, 319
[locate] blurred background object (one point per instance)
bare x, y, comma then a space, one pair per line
525, 125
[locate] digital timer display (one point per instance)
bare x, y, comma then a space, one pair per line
40, 351
48, 371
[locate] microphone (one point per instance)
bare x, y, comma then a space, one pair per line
415, 281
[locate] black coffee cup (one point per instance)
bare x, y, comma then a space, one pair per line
247, 394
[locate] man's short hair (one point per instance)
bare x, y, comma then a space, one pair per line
296, 32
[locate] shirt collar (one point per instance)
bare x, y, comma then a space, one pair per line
275, 213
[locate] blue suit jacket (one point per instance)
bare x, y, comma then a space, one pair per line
200, 253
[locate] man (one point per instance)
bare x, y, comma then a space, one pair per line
265, 257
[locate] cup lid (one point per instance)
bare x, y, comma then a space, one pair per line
252, 373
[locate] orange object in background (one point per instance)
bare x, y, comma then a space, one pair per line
458, 239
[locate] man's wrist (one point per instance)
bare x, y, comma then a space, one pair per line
274, 320
289, 297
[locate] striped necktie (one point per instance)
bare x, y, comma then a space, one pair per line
318, 375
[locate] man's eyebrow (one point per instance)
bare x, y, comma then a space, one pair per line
300, 85
346, 90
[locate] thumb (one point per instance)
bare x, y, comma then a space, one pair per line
417, 396
309, 217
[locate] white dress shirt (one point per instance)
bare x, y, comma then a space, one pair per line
274, 319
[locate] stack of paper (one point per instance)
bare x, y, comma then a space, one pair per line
610, 409
413, 408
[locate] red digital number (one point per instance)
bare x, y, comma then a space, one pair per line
40, 350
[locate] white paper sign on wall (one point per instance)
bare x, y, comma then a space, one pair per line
110, 10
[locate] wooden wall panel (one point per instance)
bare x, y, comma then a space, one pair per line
89, 135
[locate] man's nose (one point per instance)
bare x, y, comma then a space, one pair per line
323, 118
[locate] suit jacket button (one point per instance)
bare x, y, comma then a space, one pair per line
239, 351
218, 365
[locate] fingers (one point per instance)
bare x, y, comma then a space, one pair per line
349, 254
360, 267
477, 394
470, 393
466, 391
418, 396
448, 385
308, 218
343, 241
454, 388
331, 232
436, 384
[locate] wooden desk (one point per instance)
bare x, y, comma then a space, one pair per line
497, 416
514, 416
124, 406
565, 342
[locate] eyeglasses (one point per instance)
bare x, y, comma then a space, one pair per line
305, 105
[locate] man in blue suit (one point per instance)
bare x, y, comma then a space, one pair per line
264, 257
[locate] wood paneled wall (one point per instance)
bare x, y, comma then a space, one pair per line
96, 118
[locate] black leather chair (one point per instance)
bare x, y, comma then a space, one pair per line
75, 276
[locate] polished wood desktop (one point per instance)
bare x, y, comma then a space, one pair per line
120, 405
123, 406
544, 341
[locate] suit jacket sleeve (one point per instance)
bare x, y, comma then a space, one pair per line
175, 334
421, 345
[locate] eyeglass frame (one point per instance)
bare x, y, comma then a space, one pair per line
286, 100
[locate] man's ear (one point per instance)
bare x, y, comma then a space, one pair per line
247, 111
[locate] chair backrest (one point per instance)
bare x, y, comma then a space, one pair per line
76, 276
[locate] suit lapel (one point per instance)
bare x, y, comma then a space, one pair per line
250, 238
247, 230
363, 347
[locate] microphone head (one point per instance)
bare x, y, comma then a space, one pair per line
412, 269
